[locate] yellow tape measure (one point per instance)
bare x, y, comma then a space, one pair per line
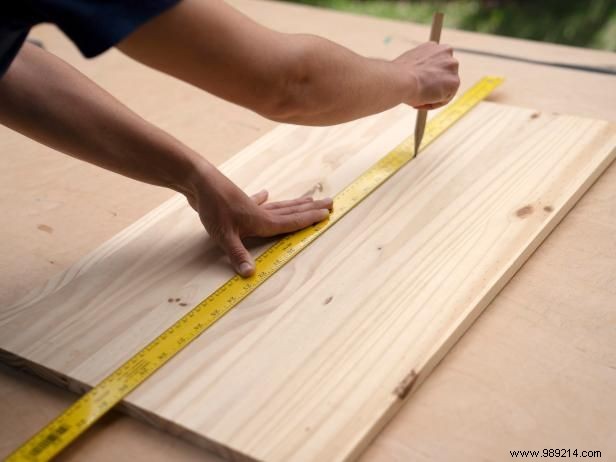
94, 404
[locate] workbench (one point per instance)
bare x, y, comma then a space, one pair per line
537, 370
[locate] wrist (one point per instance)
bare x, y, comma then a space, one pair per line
407, 82
188, 172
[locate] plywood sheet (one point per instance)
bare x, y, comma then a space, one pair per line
316, 361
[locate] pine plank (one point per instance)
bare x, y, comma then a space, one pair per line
317, 360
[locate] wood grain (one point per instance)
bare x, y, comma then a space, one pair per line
321, 356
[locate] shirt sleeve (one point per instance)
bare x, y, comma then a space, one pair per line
97, 25
11, 41
93, 25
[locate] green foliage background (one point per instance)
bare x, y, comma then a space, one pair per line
586, 23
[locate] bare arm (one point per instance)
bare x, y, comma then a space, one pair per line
294, 78
47, 100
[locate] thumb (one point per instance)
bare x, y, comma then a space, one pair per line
241, 259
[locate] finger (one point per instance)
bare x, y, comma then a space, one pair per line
430, 106
326, 203
240, 258
192, 202
455, 66
289, 223
289, 203
260, 197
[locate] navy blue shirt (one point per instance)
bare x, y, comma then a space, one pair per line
94, 25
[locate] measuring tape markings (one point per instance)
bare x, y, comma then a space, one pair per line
99, 400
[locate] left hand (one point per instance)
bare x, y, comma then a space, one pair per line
229, 215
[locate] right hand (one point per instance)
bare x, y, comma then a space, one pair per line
434, 74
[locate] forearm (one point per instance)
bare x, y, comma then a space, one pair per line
334, 84
286, 77
47, 100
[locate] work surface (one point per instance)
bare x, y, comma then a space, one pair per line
526, 376
312, 364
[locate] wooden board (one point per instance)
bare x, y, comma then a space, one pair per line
313, 363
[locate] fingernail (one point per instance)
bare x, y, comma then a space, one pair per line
245, 269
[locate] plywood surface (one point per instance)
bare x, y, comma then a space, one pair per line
318, 359
553, 322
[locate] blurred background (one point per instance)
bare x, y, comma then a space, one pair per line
584, 23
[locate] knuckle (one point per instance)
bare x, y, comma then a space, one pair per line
227, 237
296, 221
235, 252
272, 220
268, 223
216, 231
444, 48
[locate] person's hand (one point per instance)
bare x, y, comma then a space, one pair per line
229, 215
434, 74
